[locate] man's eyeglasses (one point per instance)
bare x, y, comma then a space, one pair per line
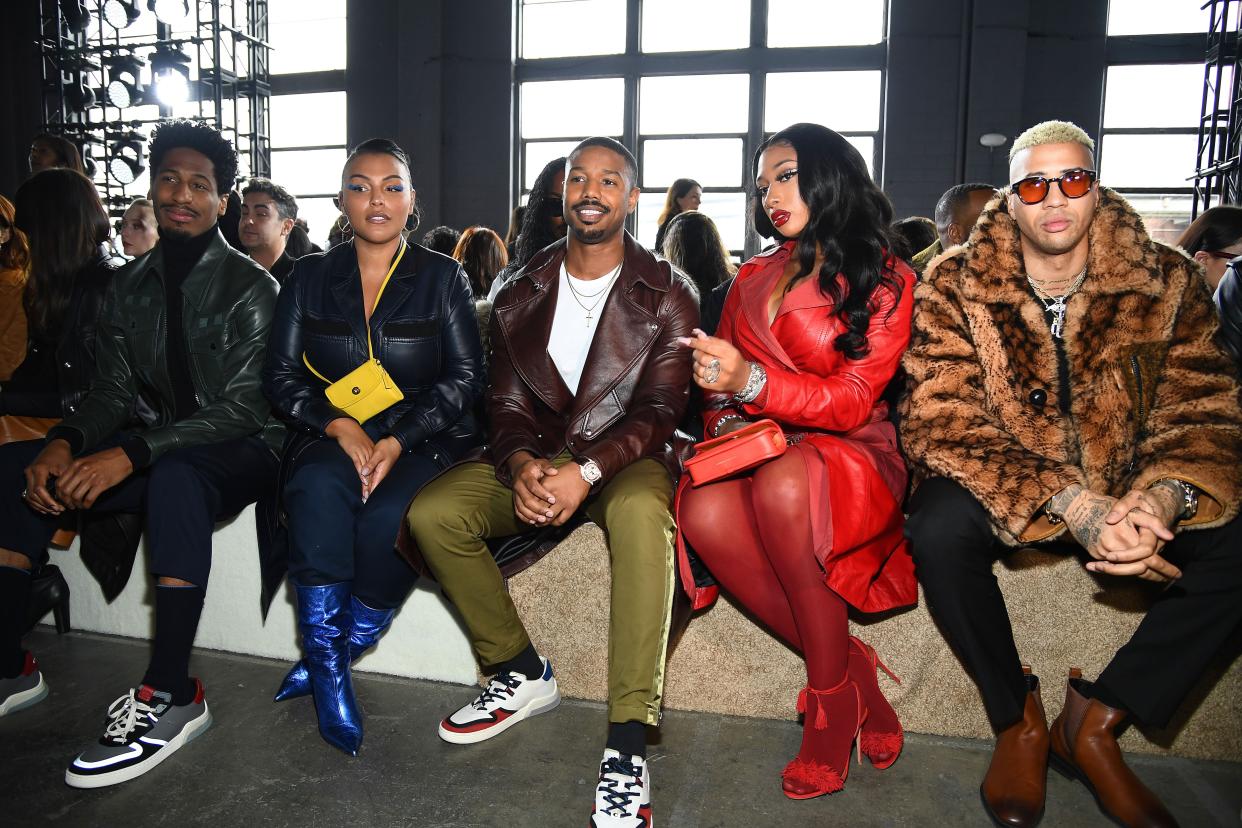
1074, 183
1222, 254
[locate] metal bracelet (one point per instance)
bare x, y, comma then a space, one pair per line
721, 423
754, 384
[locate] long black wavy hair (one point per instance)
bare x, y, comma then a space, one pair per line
848, 226
537, 232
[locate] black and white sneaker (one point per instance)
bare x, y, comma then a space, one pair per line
623, 796
508, 699
23, 690
144, 728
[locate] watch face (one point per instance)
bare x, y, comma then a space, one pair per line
591, 472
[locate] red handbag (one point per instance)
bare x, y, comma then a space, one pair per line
735, 452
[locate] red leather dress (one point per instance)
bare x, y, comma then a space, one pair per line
831, 409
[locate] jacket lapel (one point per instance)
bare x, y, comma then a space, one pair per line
346, 290
400, 286
754, 303
198, 281
526, 326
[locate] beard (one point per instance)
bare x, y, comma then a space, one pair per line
590, 235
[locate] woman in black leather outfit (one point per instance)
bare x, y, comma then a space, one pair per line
346, 485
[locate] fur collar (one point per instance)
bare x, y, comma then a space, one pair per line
1122, 258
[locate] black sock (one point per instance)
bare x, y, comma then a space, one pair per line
526, 662
14, 601
628, 738
177, 610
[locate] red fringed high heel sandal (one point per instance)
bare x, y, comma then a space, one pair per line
831, 723
882, 737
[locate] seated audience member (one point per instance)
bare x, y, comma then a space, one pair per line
956, 213
570, 433
811, 335
299, 243
59, 212
185, 328
1229, 307
543, 221
482, 255
49, 151
139, 231
1062, 394
267, 216
349, 476
912, 235
693, 244
442, 240
515, 227
1213, 239
684, 194
14, 259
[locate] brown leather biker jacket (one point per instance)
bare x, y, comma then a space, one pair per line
636, 381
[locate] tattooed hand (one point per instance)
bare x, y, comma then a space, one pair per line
1130, 545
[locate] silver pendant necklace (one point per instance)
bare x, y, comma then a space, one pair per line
597, 295
1056, 305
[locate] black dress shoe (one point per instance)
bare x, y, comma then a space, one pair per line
49, 593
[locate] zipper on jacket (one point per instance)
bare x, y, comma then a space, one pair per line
1138, 384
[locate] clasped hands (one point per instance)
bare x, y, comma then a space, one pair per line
1126, 535
372, 459
79, 483
544, 495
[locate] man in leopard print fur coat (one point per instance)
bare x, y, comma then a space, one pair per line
1066, 389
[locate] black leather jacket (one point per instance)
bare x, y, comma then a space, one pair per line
424, 332
72, 357
1229, 306
228, 302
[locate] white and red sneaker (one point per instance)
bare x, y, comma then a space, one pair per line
23, 690
508, 699
623, 796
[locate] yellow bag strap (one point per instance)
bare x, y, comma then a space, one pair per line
370, 350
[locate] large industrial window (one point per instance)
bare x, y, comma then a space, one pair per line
692, 87
1153, 91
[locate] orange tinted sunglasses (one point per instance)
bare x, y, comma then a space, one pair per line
1074, 183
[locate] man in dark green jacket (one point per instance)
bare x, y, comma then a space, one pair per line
181, 339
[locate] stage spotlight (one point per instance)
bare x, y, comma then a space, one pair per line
120, 14
170, 12
170, 75
75, 15
78, 95
125, 161
124, 87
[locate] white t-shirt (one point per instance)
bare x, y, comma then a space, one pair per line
573, 326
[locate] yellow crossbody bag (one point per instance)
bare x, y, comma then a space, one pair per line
367, 390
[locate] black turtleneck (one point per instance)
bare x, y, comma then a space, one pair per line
180, 256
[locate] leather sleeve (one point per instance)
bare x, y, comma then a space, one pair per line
511, 419
1229, 308
947, 429
662, 392
294, 392
460, 382
239, 409
844, 400
108, 404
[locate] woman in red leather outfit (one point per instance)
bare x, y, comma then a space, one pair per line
811, 333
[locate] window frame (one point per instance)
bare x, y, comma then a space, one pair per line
757, 61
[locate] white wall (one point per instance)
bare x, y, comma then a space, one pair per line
425, 640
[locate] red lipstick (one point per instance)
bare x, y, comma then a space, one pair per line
779, 217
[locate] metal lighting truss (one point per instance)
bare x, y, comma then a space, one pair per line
1218, 175
221, 49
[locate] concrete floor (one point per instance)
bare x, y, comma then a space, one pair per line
263, 764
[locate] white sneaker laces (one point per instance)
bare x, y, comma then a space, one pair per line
124, 714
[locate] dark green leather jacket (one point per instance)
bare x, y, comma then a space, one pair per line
228, 305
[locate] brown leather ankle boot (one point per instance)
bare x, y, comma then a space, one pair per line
1014, 787
1084, 747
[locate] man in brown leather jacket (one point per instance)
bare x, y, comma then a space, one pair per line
587, 385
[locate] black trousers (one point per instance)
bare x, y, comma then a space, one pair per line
954, 549
334, 536
183, 495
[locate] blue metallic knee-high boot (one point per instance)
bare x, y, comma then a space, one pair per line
369, 625
325, 619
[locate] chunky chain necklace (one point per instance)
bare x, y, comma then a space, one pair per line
1056, 305
597, 295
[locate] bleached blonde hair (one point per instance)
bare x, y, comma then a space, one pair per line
1052, 132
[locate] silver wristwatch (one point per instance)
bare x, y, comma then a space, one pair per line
590, 472
1190, 497
757, 378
